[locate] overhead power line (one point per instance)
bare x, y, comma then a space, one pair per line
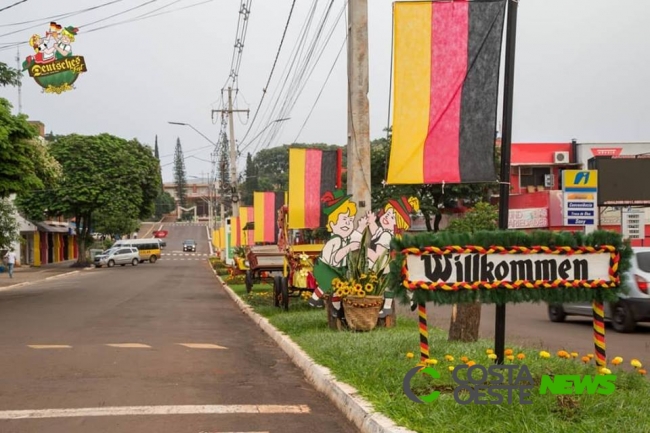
10, 6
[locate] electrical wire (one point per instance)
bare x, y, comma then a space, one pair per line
10, 6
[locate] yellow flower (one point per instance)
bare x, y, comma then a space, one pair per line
510, 357
363, 276
464, 358
431, 361
585, 359
636, 363
489, 351
451, 368
336, 281
368, 287
605, 370
574, 354
521, 356
409, 355
544, 354
617, 360
641, 371
449, 358
358, 287
563, 354
361, 293
590, 355
470, 363
492, 356
508, 352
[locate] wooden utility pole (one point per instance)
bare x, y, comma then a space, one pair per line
358, 175
233, 153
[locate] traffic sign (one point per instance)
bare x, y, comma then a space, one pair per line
580, 191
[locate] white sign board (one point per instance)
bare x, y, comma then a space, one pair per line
633, 223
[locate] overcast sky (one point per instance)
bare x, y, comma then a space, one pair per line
581, 72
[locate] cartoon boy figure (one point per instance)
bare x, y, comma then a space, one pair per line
394, 219
332, 262
63, 47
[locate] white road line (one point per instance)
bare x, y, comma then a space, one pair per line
49, 346
202, 346
152, 410
130, 346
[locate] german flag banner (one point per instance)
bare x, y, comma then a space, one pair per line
312, 173
246, 215
235, 232
445, 78
266, 206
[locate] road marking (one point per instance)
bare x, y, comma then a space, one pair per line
202, 346
152, 410
49, 346
130, 345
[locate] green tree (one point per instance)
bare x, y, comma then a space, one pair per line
9, 76
156, 153
250, 184
103, 177
8, 224
466, 318
165, 203
179, 173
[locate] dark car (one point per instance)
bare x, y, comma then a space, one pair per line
189, 245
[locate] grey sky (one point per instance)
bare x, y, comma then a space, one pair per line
581, 71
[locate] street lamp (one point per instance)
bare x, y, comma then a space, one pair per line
263, 129
198, 132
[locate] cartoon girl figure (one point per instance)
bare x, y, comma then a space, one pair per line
394, 219
332, 262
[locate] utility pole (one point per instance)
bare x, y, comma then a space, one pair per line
358, 106
233, 153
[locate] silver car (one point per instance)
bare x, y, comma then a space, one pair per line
118, 256
633, 304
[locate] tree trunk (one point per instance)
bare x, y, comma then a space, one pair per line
436, 222
83, 222
465, 320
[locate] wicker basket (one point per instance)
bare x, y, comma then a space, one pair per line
362, 314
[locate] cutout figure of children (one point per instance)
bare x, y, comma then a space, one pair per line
394, 219
332, 262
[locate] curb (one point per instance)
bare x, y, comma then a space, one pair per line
356, 409
27, 283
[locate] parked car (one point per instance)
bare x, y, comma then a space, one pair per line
189, 245
118, 256
633, 305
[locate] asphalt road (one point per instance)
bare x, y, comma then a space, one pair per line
528, 324
151, 348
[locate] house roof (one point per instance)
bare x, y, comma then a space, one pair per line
52, 227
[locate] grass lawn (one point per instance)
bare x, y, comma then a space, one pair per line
375, 364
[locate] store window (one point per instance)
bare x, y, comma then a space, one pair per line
533, 176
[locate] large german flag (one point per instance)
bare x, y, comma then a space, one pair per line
312, 172
446, 73
266, 206
235, 232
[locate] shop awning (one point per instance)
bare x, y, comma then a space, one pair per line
53, 227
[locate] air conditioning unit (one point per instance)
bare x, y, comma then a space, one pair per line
560, 157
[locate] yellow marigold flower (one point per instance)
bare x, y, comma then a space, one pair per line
449, 358
470, 363
590, 355
563, 354
508, 352
574, 354
616, 361
431, 361
489, 351
451, 368
369, 287
521, 356
585, 359
636, 363
464, 358
409, 355
641, 371
605, 370
492, 356
510, 357
544, 354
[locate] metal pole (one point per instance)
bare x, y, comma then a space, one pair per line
233, 158
506, 142
358, 106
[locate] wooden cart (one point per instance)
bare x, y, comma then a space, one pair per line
262, 261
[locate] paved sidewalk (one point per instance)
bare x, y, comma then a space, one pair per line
29, 274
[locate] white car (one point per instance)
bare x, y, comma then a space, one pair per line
633, 304
118, 256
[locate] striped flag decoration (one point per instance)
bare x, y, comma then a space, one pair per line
266, 206
312, 172
446, 72
246, 215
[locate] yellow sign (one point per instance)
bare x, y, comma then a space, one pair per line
587, 179
577, 196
